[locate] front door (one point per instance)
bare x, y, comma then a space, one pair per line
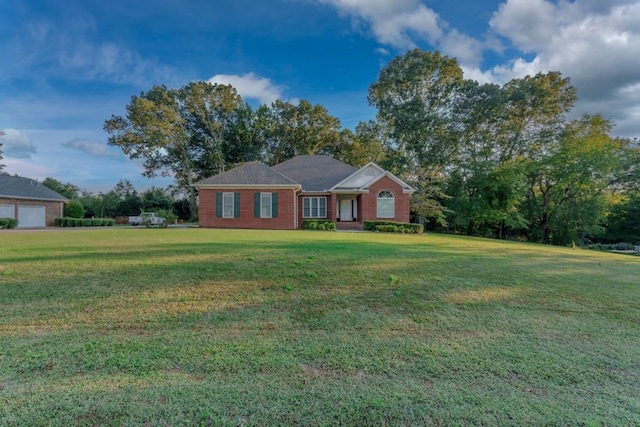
346, 210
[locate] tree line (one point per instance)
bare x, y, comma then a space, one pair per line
121, 201
502, 161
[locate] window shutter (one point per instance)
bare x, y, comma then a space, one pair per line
256, 205
236, 205
219, 205
274, 205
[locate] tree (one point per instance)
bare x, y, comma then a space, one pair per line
245, 138
566, 188
156, 198
294, 130
177, 132
128, 199
623, 222
67, 190
415, 95
534, 115
369, 143
74, 209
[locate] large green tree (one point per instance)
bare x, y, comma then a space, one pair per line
369, 143
498, 128
499, 159
178, 132
415, 95
566, 188
299, 129
245, 138
534, 115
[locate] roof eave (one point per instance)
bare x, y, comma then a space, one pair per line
44, 199
246, 186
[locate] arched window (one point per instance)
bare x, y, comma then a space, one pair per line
386, 205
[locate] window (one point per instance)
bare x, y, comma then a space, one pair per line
386, 207
314, 207
265, 205
228, 205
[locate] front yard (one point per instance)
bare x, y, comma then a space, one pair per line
228, 327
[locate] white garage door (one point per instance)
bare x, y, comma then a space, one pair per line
31, 216
6, 211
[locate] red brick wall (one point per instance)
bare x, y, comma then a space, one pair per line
52, 209
368, 202
367, 207
284, 221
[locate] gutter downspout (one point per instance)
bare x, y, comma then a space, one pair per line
295, 208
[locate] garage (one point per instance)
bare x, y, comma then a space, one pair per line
6, 211
31, 216
30, 202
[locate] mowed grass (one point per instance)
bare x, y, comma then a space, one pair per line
236, 327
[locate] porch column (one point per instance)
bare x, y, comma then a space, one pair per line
333, 207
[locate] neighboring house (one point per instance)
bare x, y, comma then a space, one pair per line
30, 202
305, 187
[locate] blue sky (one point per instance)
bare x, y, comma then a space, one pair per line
68, 66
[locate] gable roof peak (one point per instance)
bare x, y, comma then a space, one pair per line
315, 173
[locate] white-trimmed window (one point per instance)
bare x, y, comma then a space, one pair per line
228, 207
386, 206
265, 205
314, 207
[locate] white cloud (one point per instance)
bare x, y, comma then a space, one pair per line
251, 86
93, 148
529, 24
595, 43
17, 144
466, 49
393, 23
406, 24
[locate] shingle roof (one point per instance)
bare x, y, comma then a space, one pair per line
25, 188
253, 173
315, 173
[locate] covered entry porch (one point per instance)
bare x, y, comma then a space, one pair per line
348, 212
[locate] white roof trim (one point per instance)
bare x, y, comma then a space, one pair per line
42, 199
355, 173
406, 188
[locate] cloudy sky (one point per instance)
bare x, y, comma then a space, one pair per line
68, 66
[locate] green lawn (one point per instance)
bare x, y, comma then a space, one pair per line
227, 327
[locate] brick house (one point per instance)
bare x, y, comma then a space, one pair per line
254, 195
30, 202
